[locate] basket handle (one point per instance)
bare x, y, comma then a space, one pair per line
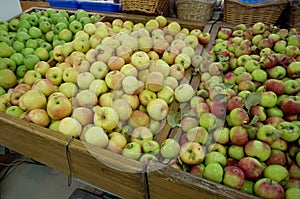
272, 3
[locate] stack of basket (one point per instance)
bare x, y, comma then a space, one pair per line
195, 10
250, 12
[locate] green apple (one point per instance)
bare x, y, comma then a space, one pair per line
275, 172
42, 53
35, 32
5, 50
27, 51
21, 70
31, 60
132, 150
18, 46
169, 148
75, 26
213, 172
14, 111
10, 64
17, 58
214, 156
7, 79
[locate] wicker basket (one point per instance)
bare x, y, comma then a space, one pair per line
153, 7
294, 14
195, 10
236, 12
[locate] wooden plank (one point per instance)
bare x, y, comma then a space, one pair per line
25, 5
167, 182
99, 167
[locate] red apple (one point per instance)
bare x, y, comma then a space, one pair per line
251, 167
267, 188
233, 177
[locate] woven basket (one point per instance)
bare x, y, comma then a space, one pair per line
195, 10
294, 14
153, 7
236, 12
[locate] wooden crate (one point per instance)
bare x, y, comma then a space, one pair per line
99, 167
167, 182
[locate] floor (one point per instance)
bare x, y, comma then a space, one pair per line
30, 180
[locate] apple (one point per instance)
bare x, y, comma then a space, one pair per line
184, 92
160, 66
151, 147
125, 112
55, 75
139, 118
184, 60
275, 172
277, 157
218, 108
132, 150
291, 86
70, 74
99, 69
116, 142
251, 167
173, 28
290, 105
197, 134
188, 123
289, 131
238, 135
157, 109
30, 77
44, 85
239, 116
197, 170
130, 85
133, 100
275, 85
32, 99
208, 121
236, 152
213, 172
215, 157
85, 98
154, 81
169, 148
267, 188
224, 33
258, 149
268, 134
15, 111
83, 115
68, 89
17, 92
70, 127
107, 118
192, 153
233, 177
234, 102
221, 135
59, 107
113, 79
292, 193
95, 135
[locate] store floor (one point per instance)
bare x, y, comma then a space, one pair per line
35, 181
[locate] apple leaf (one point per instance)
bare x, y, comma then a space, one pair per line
252, 99
173, 118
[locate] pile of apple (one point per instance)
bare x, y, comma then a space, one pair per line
244, 123
31, 37
111, 84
